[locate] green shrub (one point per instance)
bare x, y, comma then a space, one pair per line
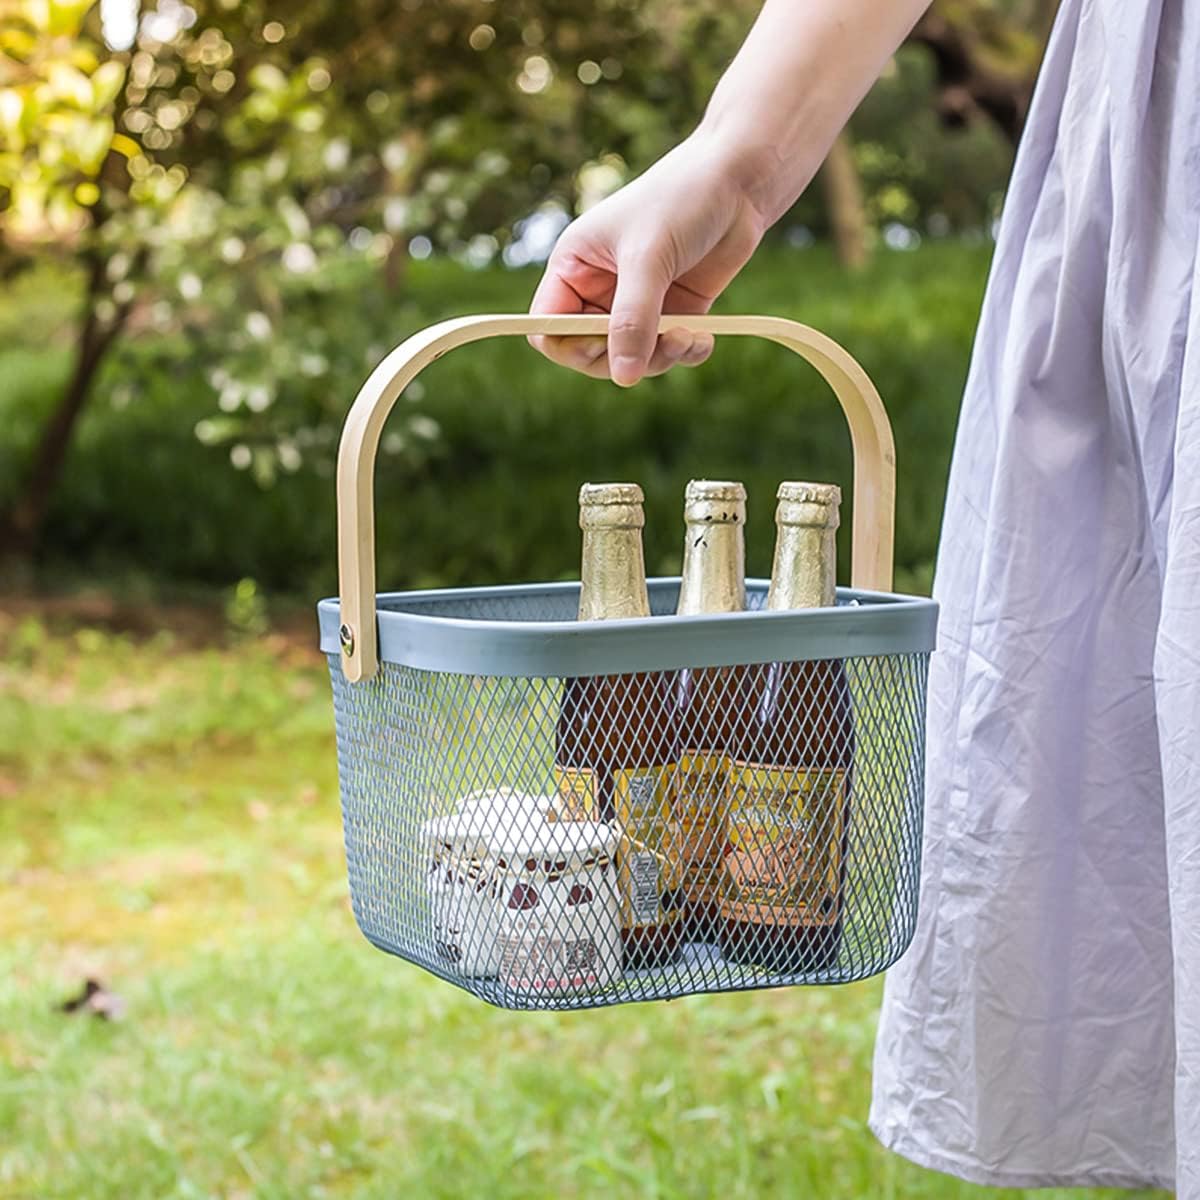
493, 498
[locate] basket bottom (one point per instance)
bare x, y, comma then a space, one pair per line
785, 949
700, 967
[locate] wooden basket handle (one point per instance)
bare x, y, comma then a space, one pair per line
870, 433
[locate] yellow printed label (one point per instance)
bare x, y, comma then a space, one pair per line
785, 835
575, 795
701, 802
647, 862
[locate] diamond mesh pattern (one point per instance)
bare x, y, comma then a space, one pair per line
551, 843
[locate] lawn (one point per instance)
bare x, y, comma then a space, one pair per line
170, 825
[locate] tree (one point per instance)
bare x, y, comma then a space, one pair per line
222, 166
219, 178
843, 192
987, 54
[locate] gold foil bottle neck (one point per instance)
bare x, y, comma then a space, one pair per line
810, 504
611, 505
805, 571
719, 501
613, 575
714, 548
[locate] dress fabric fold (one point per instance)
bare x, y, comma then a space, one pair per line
1044, 1027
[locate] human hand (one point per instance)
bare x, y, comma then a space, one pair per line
669, 241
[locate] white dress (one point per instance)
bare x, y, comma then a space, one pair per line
1044, 1028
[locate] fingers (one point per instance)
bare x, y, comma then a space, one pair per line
587, 355
700, 351
642, 282
678, 347
635, 296
555, 295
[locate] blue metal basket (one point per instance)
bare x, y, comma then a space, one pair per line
448, 708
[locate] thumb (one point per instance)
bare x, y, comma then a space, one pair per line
642, 283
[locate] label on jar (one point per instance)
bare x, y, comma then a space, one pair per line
648, 860
574, 795
541, 962
785, 838
701, 801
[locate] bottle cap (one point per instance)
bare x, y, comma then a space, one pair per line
809, 493
615, 505
808, 504
611, 493
715, 489
715, 501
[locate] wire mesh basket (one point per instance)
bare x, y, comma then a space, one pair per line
560, 814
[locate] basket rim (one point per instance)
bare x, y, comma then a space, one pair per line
414, 633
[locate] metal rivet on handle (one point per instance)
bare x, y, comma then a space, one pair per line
346, 634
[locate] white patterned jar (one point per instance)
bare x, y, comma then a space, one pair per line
461, 876
560, 917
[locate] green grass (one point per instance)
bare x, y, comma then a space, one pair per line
170, 824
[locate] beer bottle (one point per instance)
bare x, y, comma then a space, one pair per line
616, 734
782, 880
710, 700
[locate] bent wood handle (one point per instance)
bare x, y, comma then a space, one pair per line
870, 433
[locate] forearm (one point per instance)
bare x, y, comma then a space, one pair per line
801, 72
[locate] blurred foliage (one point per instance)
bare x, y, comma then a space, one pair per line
217, 173
226, 176
914, 172
1008, 35
493, 499
56, 102
246, 610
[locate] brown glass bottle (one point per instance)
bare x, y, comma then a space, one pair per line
783, 878
711, 701
616, 734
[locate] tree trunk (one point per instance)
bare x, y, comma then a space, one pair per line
21, 526
395, 266
844, 203
967, 86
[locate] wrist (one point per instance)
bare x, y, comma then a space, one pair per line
756, 170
